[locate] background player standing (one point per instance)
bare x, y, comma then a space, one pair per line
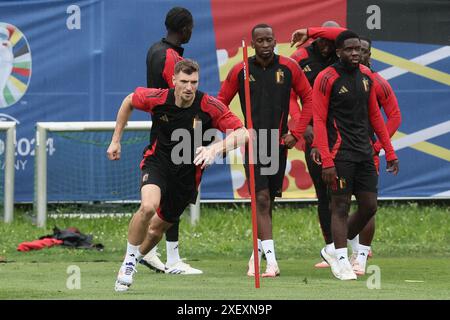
271, 79
344, 107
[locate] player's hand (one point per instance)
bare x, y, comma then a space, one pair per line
299, 37
308, 135
113, 151
315, 156
393, 167
204, 156
329, 176
289, 140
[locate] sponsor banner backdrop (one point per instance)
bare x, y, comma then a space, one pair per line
77, 60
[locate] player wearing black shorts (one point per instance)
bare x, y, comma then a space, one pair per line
161, 59
313, 59
271, 79
345, 106
388, 102
171, 167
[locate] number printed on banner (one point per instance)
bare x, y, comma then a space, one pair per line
25, 147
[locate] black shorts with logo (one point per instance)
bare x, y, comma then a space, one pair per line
178, 184
354, 177
272, 181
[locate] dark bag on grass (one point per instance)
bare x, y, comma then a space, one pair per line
73, 238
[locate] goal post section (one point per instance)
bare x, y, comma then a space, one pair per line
42, 128
9, 171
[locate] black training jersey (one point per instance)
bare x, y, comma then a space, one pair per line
312, 62
270, 89
161, 59
344, 107
205, 112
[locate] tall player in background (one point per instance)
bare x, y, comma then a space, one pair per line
313, 59
388, 102
271, 79
161, 59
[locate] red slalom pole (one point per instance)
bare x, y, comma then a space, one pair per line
248, 116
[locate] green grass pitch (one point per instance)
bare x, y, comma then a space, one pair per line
411, 258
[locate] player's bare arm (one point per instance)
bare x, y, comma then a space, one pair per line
123, 115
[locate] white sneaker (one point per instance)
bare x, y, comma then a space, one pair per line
181, 268
346, 271
152, 261
251, 267
331, 260
272, 271
358, 268
125, 277
322, 264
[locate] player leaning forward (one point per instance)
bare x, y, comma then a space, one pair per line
168, 183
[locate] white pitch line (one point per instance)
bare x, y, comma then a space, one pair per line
420, 136
423, 60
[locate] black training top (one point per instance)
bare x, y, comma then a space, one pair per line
161, 59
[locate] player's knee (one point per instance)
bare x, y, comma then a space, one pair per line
341, 207
263, 202
155, 232
148, 210
371, 208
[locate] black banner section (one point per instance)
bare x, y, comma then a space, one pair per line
414, 21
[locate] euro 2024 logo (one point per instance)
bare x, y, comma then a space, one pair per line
15, 65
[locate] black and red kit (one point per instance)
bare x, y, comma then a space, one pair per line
178, 180
161, 60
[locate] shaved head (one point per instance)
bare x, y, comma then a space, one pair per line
330, 23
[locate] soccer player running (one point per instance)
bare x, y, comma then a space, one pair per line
313, 59
170, 175
345, 106
161, 59
271, 79
388, 101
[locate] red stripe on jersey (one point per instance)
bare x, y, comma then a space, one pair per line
338, 141
281, 141
300, 54
156, 94
148, 153
215, 103
383, 86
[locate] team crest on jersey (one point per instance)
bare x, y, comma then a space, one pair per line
366, 84
307, 68
280, 76
145, 177
196, 121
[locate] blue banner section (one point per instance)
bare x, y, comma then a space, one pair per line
77, 60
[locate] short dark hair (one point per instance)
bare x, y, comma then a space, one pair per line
177, 18
344, 35
187, 66
366, 40
260, 26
